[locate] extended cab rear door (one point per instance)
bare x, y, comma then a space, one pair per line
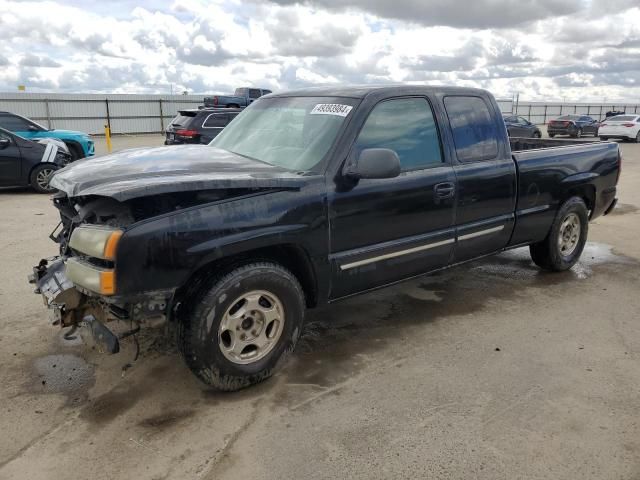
389, 229
485, 174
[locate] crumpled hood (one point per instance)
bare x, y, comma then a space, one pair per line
152, 171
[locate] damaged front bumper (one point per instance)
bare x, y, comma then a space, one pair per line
67, 306
70, 305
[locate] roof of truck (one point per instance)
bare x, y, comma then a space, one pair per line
360, 91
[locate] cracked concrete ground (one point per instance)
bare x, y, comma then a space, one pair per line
492, 370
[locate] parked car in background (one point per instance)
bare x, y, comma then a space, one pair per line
521, 127
27, 163
79, 144
625, 127
241, 98
614, 113
573, 125
307, 198
198, 125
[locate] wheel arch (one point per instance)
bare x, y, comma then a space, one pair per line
73, 144
291, 256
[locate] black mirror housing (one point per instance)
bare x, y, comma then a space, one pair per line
375, 163
4, 143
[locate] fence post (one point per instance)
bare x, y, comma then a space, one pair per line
46, 108
161, 117
544, 121
106, 102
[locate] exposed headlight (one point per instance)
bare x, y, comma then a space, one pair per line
99, 280
96, 241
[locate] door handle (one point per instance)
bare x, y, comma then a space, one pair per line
444, 190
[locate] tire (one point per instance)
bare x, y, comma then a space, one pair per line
213, 334
75, 151
638, 137
537, 134
577, 134
554, 255
604, 139
40, 177
551, 135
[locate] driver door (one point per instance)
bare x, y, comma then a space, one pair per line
385, 230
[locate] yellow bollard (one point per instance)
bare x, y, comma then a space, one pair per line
107, 136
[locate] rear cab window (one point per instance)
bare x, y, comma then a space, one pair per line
406, 126
474, 130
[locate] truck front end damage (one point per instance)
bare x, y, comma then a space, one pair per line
79, 286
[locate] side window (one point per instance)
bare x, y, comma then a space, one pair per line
13, 124
266, 92
522, 121
474, 130
406, 126
254, 93
215, 120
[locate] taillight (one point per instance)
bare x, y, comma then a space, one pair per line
566, 124
628, 125
187, 133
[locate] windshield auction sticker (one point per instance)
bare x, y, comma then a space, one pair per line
331, 109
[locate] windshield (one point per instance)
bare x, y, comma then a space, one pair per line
291, 132
569, 117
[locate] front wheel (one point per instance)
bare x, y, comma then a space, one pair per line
41, 176
243, 325
537, 134
638, 137
565, 242
551, 135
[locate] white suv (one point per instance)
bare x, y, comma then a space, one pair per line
626, 127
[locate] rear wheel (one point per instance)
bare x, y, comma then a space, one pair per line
577, 134
537, 134
551, 135
41, 176
638, 137
243, 325
604, 139
566, 239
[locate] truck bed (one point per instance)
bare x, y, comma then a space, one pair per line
550, 170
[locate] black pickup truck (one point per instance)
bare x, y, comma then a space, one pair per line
309, 197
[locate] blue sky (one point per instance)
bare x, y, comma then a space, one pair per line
544, 49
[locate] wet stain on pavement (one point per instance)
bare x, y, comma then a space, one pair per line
338, 341
166, 419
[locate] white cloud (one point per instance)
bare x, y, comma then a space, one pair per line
213, 46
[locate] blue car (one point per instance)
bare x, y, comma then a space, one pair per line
80, 144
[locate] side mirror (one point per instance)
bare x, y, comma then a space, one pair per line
4, 143
375, 163
33, 128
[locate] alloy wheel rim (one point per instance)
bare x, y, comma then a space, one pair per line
251, 327
569, 234
44, 177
